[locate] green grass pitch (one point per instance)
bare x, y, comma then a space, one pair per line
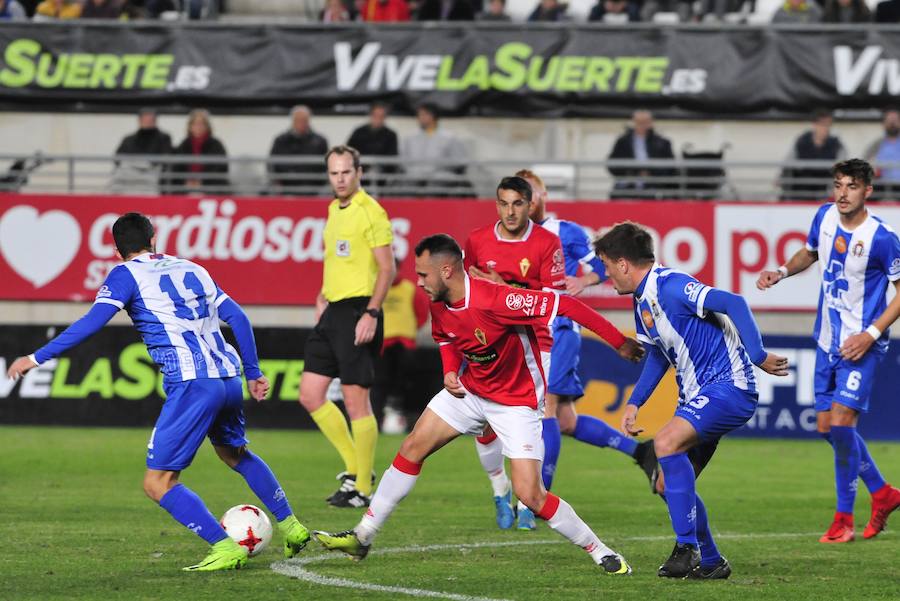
77, 525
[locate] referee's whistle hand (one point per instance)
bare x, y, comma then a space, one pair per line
365, 330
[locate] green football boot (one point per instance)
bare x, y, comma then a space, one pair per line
295, 535
224, 555
345, 541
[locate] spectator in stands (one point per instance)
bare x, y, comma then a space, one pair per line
817, 144
299, 140
847, 11
206, 177
887, 150
11, 10
615, 7
549, 10
102, 9
798, 11
641, 143
57, 9
386, 11
335, 11
446, 10
148, 139
888, 11
683, 8
432, 143
375, 139
496, 11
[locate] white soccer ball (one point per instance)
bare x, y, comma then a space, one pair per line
248, 526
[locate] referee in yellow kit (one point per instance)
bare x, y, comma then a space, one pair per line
358, 271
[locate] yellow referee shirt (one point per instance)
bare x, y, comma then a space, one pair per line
350, 235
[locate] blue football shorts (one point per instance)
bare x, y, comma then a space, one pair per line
564, 355
846, 382
194, 409
717, 409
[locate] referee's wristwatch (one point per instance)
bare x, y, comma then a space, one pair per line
376, 313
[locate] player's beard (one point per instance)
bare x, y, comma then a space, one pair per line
441, 294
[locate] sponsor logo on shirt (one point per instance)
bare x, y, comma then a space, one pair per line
480, 337
692, 290
895, 267
524, 266
342, 248
104, 292
488, 356
515, 301
840, 244
491, 264
559, 262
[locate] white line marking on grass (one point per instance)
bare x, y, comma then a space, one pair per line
296, 568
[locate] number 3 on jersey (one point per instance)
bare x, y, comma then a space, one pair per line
192, 283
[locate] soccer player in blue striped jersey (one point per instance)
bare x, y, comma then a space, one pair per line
176, 307
564, 387
711, 339
859, 255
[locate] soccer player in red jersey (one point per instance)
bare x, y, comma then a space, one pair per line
493, 328
515, 251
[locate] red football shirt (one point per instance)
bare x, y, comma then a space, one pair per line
535, 261
494, 329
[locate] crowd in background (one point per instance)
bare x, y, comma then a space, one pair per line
339, 11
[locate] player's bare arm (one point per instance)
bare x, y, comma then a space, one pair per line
857, 345
490, 275
575, 285
367, 324
801, 261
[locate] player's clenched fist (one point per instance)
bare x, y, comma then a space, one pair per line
632, 350
767, 279
451, 383
19, 367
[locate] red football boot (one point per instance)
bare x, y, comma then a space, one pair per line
884, 501
841, 530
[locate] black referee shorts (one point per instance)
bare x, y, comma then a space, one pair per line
330, 350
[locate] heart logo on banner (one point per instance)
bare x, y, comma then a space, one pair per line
38, 247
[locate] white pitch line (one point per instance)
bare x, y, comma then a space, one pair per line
296, 568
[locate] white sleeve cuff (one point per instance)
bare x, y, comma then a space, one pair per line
218, 302
33, 359
110, 301
701, 312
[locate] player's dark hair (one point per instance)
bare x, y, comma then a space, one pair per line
439, 244
516, 184
626, 240
860, 170
343, 149
132, 233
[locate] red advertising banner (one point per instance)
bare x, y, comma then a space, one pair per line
268, 251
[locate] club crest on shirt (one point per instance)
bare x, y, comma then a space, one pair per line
524, 266
491, 265
840, 244
648, 318
559, 262
858, 249
480, 337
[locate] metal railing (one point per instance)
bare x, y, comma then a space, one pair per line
697, 179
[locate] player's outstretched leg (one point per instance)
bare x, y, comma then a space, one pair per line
681, 499
490, 454
712, 565
846, 472
190, 511
560, 516
885, 498
265, 486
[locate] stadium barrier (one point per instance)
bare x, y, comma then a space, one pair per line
465, 68
59, 248
111, 381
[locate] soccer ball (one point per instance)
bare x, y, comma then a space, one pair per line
248, 526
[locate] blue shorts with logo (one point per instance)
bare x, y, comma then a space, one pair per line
564, 355
195, 409
717, 409
846, 382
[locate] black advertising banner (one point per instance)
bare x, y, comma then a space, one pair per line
541, 71
110, 380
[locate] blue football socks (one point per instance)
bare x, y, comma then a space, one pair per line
595, 431
262, 482
846, 466
868, 471
709, 553
189, 510
552, 442
681, 497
